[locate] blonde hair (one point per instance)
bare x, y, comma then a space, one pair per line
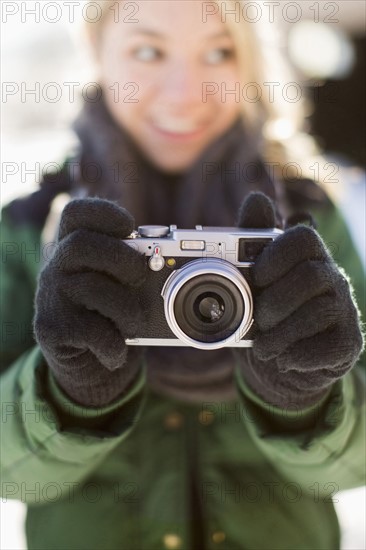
262, 64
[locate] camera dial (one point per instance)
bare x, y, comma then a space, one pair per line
153, 231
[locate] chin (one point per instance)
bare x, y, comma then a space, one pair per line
173, 166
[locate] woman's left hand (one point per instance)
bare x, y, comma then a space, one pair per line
309, 332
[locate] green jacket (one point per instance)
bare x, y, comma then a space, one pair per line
150, 472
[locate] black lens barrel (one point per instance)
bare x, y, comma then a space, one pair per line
209, 308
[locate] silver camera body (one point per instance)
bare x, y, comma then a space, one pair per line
198, 291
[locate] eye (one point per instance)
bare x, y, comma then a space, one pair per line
219, 55
146, 53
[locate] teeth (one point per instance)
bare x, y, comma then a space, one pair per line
177, 126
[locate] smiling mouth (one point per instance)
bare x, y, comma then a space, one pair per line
177, 128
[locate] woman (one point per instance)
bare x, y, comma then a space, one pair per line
178, 447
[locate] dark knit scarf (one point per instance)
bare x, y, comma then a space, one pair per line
210, 193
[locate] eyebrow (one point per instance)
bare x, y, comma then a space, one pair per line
155, 34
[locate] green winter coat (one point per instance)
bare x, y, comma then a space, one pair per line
150, 472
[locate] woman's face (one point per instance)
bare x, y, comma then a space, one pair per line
157, 63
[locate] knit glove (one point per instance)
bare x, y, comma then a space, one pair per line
308, 325
87, 303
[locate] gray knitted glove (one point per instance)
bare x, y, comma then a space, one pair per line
309, 331
87, 303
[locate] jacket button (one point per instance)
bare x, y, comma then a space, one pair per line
206, 417
218, 536
172, 541
173, 420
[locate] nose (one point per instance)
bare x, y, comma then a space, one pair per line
182, 85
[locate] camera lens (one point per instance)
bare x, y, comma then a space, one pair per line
208, 304
209, 308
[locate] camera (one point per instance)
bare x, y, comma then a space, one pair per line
198, 291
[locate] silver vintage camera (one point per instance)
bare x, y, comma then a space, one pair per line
198, 291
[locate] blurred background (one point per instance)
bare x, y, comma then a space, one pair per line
325, 42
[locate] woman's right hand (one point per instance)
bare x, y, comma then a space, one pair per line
87, 303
